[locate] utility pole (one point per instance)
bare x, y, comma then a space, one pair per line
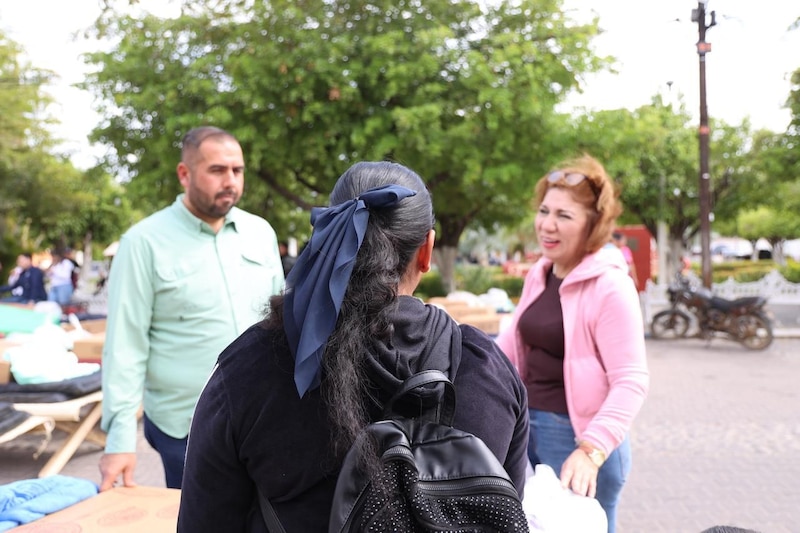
699, 16
662, 232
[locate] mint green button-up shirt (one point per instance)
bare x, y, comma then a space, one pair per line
178, 295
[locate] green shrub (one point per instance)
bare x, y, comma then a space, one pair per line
471, 278
511, 284
791, 271
476, 279
741, 271
430, 285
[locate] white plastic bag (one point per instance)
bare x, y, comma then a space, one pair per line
553, 509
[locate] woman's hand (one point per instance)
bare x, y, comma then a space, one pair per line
579, 473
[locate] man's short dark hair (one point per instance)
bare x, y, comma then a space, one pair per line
195, 137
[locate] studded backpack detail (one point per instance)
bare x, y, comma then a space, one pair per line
433, 477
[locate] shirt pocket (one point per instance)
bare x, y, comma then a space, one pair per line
257, 277
179, 288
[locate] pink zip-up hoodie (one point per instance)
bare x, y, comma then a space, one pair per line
605, 368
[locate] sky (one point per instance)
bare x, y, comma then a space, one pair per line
747, 71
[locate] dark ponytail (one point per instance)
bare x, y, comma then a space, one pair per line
392, 238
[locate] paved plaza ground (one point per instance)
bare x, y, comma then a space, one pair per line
718, 442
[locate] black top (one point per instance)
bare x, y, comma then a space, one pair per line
250, 425
541, 327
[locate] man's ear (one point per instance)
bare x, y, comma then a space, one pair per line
183, 174
425, 253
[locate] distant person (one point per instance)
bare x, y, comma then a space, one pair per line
185, 282
686, 265
29, 285
288, 397
13, 276
69, 253
287, 260
621, 242
577, 337
60, 274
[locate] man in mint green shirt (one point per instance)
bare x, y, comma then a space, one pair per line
185, 282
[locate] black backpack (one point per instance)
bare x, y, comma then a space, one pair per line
434, 477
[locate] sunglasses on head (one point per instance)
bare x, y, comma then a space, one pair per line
571, 179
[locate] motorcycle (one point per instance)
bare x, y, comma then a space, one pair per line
743, 320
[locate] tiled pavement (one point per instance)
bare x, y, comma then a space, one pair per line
718, 442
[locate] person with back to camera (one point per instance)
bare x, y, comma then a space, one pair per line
577, 337
185, 282
287, 399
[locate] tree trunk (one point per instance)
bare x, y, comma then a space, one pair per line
446, 248
674, 258
777, 252
86, 267
446, 260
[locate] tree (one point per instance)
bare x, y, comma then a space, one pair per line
652, 153
24, 145
42, 195
793, 102
773, 225
19, 99
463, 94
103, 214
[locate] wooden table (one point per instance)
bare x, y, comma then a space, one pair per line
78, 417
121, 510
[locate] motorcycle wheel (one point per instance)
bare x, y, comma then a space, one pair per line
669, 324
755, 331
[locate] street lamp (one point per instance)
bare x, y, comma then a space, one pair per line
699, 16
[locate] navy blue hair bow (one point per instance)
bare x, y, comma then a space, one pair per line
317, 283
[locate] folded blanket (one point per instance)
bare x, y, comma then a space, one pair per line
57, 391
30, 499
10, 417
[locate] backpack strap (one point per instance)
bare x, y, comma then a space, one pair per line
268, 513
447, 407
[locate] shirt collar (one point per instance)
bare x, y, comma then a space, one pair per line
191, 221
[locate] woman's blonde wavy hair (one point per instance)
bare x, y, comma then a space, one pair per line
597, 193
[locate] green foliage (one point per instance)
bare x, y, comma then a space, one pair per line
471, 278
793, 102
460, 91
511, 284
40, 191
652, 152
741, 271
791, 271
476, 279
746, 270
430, 285
775, 226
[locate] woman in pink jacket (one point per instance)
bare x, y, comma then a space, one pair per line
577, 336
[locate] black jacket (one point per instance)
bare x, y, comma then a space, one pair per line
250, 425
32, 282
